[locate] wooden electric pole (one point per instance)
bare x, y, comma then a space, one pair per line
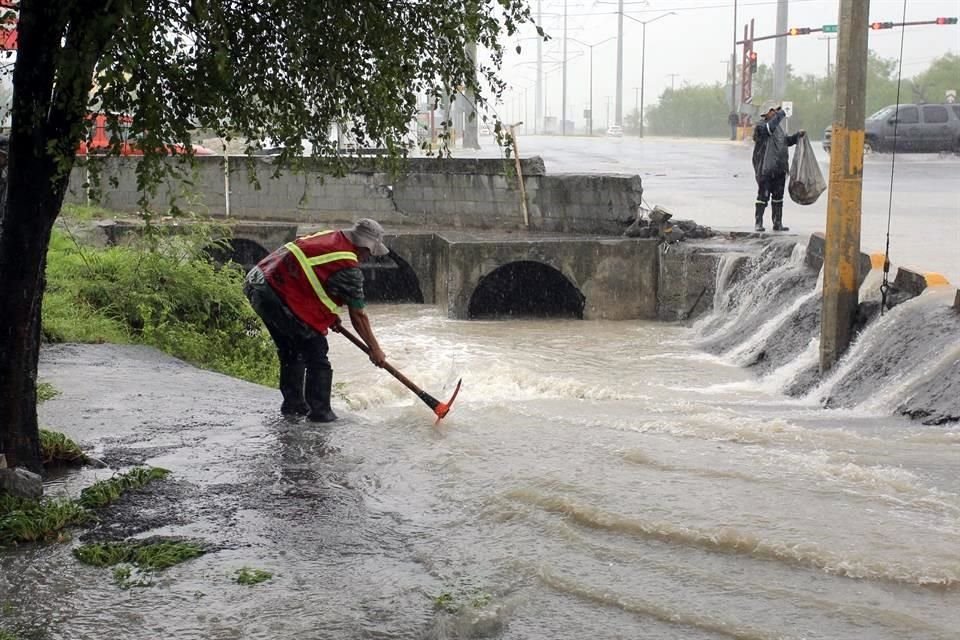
842, 253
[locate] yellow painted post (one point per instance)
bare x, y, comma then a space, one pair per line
842, 252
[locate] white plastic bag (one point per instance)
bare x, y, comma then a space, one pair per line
806, 181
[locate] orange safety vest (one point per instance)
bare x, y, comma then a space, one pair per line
299, 271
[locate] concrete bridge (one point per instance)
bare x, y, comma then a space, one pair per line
477, 274
483, 274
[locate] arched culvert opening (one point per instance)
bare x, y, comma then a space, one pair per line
245, 253
390, 279
525, 288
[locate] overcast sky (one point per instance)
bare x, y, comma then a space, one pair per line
696, 45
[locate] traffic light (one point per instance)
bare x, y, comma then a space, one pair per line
829, 28
753, 62
799, 31
881, 25
946, 21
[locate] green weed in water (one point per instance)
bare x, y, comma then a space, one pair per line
105, 492
6, 635
121, 573
455, 602
154, 555
46, 391
445, 602
126, 576
56, 448
250, 577
25, 520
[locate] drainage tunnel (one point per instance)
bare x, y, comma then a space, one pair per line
390, 279
245, 253
525, 288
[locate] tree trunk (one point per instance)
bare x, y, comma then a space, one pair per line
22, 248
59, 44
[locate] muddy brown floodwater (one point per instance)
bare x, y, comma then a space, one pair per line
594, 480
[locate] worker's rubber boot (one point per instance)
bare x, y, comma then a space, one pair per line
291, 387
319, 383
758, 217
778, 217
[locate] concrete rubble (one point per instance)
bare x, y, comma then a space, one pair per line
659, 223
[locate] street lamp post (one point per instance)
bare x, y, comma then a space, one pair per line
643, 56
591, 46
563, 107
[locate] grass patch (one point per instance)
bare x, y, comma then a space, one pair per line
56, 448
105, 492
162, 291
6, 635
151, 555
23, 520
46, 391
250, 577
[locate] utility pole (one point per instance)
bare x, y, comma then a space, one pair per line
780, 53
734, 107
673, 77
643, 66
538, 107
829, 56
636, 103
841, 259
618, 117
590, 131
563, 100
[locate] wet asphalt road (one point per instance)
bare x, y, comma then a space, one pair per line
711, 181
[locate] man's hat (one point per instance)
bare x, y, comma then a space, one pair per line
368, 233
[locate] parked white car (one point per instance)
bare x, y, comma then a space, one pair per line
615, 131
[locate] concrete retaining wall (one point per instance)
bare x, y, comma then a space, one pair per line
427, 193
687, 281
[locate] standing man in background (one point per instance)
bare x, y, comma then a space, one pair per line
771, 163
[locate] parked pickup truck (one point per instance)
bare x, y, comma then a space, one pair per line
920, 128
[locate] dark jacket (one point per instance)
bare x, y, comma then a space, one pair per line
770, 156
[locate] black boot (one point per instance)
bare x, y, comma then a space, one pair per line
778, 217
319, 383
291, 387
758, 217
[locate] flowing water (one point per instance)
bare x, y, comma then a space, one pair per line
595, 480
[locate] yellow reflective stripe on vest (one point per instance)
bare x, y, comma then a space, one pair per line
318, 233
307, 265
332, 257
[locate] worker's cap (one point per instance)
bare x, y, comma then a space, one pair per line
769, 106
368, 233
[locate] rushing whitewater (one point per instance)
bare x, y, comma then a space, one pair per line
767, 317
